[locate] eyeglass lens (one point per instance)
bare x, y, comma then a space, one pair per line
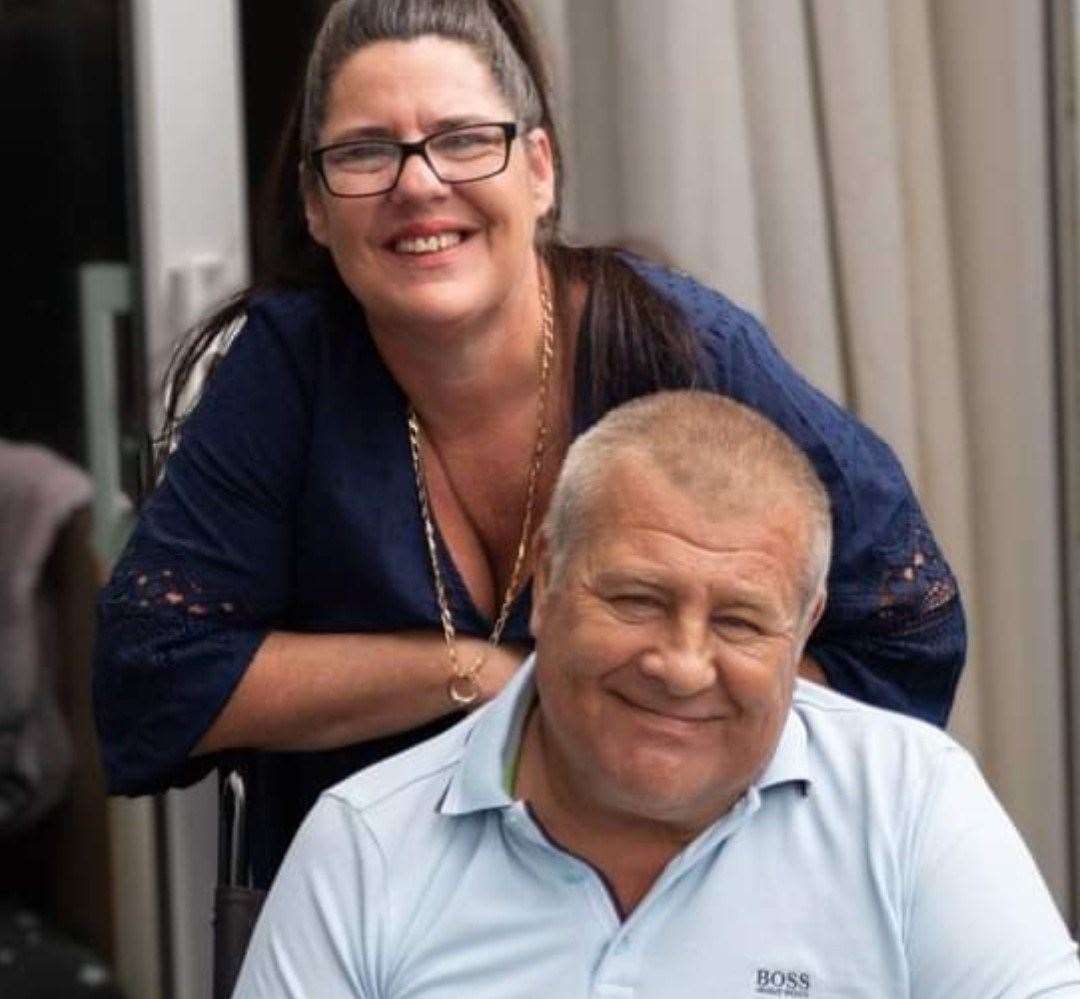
371, 166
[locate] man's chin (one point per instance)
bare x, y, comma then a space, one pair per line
661, 798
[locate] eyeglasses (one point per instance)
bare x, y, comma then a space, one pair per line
363, 168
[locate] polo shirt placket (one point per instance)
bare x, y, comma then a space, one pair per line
623, 943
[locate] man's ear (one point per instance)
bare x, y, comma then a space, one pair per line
541, 579
314, 209
815, 613
808, 667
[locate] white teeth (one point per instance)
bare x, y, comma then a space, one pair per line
430, 244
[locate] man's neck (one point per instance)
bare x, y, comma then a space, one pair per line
628, 852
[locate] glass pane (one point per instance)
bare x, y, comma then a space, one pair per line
60, 94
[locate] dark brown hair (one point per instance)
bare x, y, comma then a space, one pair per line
633, 340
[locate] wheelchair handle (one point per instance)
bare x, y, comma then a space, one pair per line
233, 867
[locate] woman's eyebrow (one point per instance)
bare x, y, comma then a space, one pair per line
382, 132
362, 132
456, 121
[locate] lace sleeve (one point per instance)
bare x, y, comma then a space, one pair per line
207, 572
893, 632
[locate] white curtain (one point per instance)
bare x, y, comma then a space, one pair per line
871, 178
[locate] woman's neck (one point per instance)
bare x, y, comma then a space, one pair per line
456, 377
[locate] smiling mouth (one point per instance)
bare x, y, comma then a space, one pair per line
418, 246
668, 716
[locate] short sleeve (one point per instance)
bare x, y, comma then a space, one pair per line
980, 921
310, 936
208, 570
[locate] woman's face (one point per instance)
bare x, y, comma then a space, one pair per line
407, 91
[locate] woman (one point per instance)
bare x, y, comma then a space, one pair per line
349, 507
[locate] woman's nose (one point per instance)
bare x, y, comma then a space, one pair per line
417, 179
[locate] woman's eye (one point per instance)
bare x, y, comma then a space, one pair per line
463, 141
466, 144
360, 156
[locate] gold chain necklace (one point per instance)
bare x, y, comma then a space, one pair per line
462, 686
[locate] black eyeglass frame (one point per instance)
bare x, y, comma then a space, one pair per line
510, 129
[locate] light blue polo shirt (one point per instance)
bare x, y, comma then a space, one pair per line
869, 860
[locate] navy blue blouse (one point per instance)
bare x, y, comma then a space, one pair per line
290, 504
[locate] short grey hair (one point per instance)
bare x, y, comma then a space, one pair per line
725, 456
350, 25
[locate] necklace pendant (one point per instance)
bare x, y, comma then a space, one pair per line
462, 687
464, 691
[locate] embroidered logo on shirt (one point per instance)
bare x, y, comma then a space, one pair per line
771, 982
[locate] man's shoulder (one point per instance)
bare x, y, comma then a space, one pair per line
847, 737
394, 792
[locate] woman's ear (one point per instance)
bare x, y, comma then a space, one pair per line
314, 209
541, 162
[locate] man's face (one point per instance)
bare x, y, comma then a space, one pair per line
667, 651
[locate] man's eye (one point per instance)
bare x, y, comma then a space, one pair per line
637, 603
735, 626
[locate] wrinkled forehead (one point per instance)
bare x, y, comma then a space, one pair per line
633, 497
632, 486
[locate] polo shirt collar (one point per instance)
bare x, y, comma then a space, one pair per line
490, 753
791, 761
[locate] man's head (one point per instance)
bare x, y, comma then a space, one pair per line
681, 568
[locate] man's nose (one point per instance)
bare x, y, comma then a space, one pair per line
683, 663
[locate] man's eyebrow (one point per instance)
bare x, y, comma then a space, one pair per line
754, 603
630, 577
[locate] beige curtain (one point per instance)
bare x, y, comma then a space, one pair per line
871, 178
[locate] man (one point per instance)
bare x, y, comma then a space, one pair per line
657, 807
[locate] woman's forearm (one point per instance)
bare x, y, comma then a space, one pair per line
310, 692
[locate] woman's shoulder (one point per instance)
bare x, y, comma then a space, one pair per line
308, 328
277, 337
299, 313
703, 306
